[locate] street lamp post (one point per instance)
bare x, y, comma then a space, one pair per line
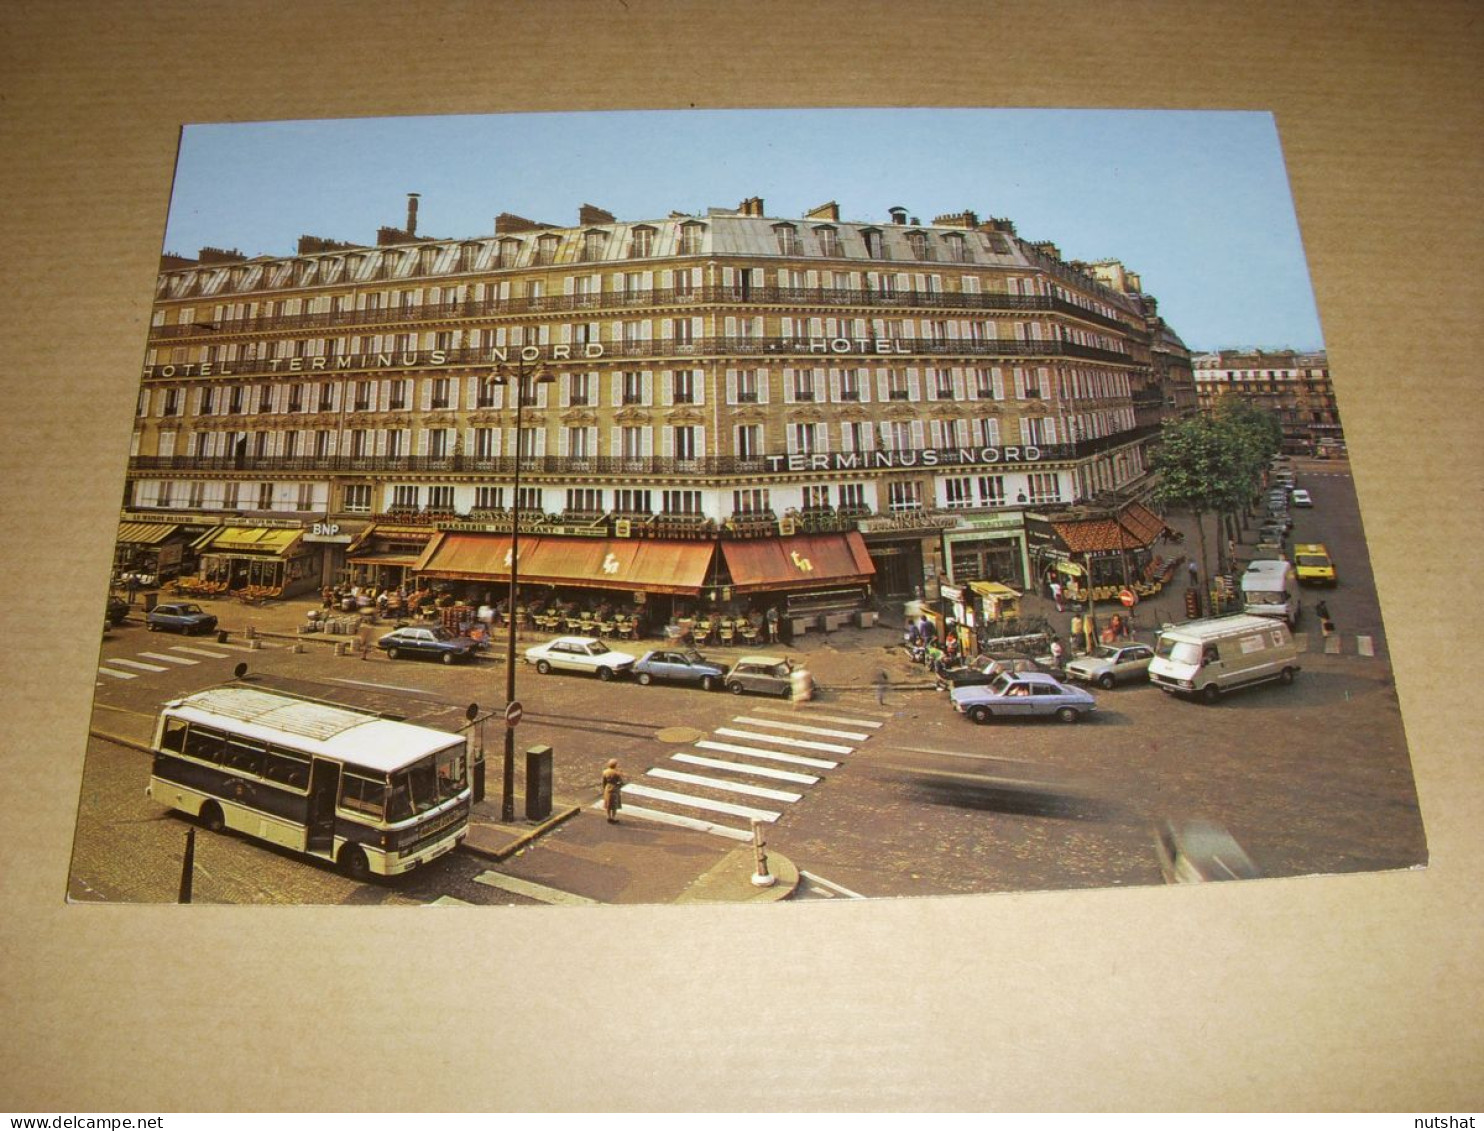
518, 378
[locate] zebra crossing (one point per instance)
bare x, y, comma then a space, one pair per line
1336, 645
164, 660
772, 758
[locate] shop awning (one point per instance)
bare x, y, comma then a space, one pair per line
471, 557
251, 540
805, 561
650, 564
993, 589
146, 533
379, 536
1135, 527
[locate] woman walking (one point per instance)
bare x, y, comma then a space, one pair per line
613, 783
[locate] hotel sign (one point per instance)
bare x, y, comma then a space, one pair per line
892, 460
407, 359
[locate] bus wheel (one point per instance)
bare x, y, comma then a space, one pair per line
353, 863
211, 817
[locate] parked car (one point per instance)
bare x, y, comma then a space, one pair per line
768, 675
1015, 694
579, 654
427, 640
1112, 663
183, 617
983, 669
118, 610
1302, 498
679, 666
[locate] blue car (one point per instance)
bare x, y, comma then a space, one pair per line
417, 640
678, 666
1017, 694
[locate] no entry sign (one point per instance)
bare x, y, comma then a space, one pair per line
513, 714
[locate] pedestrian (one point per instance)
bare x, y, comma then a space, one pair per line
772, 619
613, 783
1326, 625
1058, 653
1057, 597
1195, 572
132, 583
882, 679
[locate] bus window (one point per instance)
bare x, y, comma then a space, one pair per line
452, 778
244, 757
204, 743
173, 736
286, 768
362, 795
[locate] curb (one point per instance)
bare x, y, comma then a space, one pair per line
521, 840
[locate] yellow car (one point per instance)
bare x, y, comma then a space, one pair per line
1312, 561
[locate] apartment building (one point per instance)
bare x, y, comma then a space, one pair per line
1294, 386
721, 406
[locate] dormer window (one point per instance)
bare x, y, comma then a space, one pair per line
829, 241
918, 242
641, 243
875, 248
691, 237
546, 249
957, 248
509, 252
788, 239
593, 244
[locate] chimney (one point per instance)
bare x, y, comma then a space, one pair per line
830, 211
752, 206
898, 214
592, 214
412, 213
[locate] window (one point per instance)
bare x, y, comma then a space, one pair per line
829, 241
683, 386
684, 439
956, 248
489, 498
875, 249
691, 238
632, 502
529, 499
360, 443
509, 252
584, 500
196, 498
816, 498
899, 435
208, 401
1045, 487
358, 498
486, 443
959, 492
641, 243
578, 443
992, 490
438, 445
440, 392
397, 398
850, 385
984, 389
897, 388
396, 443
592, 245
918, 243
631, 442
306, 497
681, 502
363, 396
405, 497
747, 386
851, 495
806, 438
685, 284
904, 496
326, 397
265, 398
942, 383
633, 388
749, 441
440, 498
803, 384
265, 496
752, 501
172, 403
788, 239
230, 495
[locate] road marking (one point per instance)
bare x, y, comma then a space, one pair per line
196, 651
169, 659
801, 728
727, 786
826, 718
834, 888
682, 822
450, 901
137, 664
801, 743
753, 771
1332, 646
119, 675
383, 686
539, 892
701, 803
771, 755
1365, 645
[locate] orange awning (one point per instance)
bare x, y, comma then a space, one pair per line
805, 561
472, 557
652, 565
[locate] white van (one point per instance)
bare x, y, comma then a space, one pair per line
1210, 657
1270, 589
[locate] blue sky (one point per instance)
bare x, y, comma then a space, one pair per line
1196, 202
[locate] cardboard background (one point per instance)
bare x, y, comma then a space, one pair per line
1360, 991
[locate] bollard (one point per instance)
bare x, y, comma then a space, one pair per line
760, 878
254, 644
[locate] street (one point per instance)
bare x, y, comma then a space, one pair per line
868, 791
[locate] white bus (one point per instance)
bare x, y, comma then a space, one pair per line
366, 793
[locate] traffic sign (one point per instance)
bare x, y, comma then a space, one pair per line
513, 714
1128, 597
